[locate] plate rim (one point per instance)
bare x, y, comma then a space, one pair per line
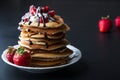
74, 49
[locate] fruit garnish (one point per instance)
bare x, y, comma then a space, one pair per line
105, 24
117, 21
20, 50
32, 10
46, 9
26, 20
42, 9
21, 57
10, 53
45, 20
51, 13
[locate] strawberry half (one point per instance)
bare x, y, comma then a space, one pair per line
32, 10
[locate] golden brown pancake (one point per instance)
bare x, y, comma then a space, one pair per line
37, 63
49, 31
25, 34
42, 47
52, 55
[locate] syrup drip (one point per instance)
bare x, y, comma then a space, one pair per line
45, 35
43, 19
30, 42
46, 45
29, 22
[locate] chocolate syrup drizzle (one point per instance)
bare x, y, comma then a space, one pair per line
45, 35
30, 42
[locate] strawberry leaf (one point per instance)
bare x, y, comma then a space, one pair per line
20, 50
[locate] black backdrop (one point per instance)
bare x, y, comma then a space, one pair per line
100, 60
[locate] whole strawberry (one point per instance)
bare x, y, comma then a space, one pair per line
117, 21
10, 53
21, 57
105, 24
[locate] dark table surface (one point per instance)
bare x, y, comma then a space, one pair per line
101, 51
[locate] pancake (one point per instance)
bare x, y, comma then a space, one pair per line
25, 34
33, 51
37, 63
52, 55
49, 31
48, 59
52, 42
42, 47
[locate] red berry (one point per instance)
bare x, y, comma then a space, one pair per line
46, 9
21, 57
105, 24
42, 9
32, 10
45, 20
10, 54
117, 21
41, 20
52, 13
26, 20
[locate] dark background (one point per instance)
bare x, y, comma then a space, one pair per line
101, 51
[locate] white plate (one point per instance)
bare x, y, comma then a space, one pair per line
74, 58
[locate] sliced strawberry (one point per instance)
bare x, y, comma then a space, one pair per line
41, 20
45, 20
32, 10
42, 9
46, 9
51, 13
26, 20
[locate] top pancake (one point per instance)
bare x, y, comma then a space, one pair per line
52, 24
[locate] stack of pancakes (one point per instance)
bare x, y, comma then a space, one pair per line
47, 45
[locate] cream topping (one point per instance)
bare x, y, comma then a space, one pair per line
41, 17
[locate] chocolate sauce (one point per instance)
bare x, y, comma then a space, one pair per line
30, 42
46, 45
29, 22
45, 35
43, 19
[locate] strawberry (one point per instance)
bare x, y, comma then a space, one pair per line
41, 20
26, 20
105, 24
32, 10
46, 9
10, 53
51, 13
117, 21
21, 57
42, 9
